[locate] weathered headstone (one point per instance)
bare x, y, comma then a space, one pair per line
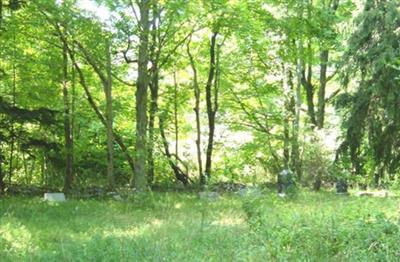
285, 181
208, 195
341, 187
54, 197
115, 196
250, 191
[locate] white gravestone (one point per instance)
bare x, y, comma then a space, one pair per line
54, 197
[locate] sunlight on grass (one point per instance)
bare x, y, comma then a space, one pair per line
126, 232
178, 205
228, 221
15, 236
173, 227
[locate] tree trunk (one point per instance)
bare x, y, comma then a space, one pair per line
67, 126
179, 174
73, 108
106, 79
300, 75
324, 60
324, 57
140, 181
31, 171
176, 124
286, 120
211, 109
42, 169
95, 108
154, 86
102, 119
295, 156
109, 119
14, 87
196, 89
310, 99
306, 81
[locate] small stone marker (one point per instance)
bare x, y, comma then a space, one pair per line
383, 193
282, 195
54, 197
117, 198
250, 191
208, 195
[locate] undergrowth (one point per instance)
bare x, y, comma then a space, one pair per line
182, 227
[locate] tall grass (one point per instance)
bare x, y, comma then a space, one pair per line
182, 227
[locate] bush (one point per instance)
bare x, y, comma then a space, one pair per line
316, 164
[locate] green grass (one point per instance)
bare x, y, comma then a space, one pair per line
181, 227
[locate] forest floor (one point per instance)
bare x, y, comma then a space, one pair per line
182, 227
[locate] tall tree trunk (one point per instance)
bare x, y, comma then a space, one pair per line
317, 118
82, 81
73, 107
324, 57
67, 125
99, 114
295, 155
306, 81
324, 60
297, 100
294, 132
14, 87
211, 109
286, 119
109, 119
176, 124
196, 89
106, 79
140, 181
154, 86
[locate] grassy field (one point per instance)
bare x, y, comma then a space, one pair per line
182, 227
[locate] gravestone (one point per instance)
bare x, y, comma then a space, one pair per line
282, 195
54, 197
341, 187
115, 196
285, 181
208, 195
250, 191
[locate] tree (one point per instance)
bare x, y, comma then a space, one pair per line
370, 105
67, 124
140, 181
196, 109
110, 118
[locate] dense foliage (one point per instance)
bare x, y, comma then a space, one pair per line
151, 93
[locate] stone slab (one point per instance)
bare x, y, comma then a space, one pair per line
54, 197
